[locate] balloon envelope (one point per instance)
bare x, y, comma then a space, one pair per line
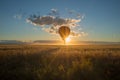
64, 32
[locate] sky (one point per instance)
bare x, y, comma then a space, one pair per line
99, 19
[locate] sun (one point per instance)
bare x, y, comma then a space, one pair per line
67, 39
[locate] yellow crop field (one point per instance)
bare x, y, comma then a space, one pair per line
59, 62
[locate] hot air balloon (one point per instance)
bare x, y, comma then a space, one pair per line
64, 32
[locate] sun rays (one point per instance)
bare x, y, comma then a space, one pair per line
68, 39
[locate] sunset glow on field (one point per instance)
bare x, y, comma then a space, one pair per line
59, 39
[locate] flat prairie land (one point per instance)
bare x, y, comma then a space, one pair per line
59, 62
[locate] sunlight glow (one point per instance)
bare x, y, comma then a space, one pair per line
67, 39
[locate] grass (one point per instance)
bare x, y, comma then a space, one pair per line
40, 62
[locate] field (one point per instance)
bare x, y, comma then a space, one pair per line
59, 62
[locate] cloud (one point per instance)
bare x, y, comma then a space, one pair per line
50, 30
52, 22
17, 16
78, 34
71, 11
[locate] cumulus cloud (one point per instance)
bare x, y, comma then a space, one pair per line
54, 12
78, 34
52, 22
